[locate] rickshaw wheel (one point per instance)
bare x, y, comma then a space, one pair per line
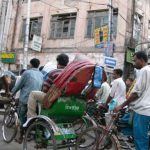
39, 135
81, 124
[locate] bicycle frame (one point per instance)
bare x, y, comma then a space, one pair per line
109, 128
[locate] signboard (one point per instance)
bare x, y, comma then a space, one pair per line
8, 57
130, 55
110, 62
101, 36
36, 43
108, 49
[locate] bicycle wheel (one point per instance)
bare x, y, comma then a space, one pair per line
39, 135
9, 127
83, 123
95, 138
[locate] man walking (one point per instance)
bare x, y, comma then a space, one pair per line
139, 101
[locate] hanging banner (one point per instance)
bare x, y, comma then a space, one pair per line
36, 43
101, 36
130, 55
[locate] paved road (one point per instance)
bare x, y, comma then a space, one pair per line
13, 145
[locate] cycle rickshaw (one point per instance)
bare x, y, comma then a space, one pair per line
60, 125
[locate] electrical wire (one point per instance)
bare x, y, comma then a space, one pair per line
84, 2
78, 16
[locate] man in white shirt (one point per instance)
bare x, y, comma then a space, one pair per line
118, 89
140, 102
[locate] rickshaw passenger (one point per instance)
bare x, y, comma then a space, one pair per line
38, 96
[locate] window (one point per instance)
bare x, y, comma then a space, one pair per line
98, 19
35, 27
63, 26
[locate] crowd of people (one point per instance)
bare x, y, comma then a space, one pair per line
35, 82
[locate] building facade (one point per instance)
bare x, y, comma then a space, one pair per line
69, 26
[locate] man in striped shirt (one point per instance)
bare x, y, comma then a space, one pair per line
38, 96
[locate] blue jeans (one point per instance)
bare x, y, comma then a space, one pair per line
140, 131
22, 113
128, 130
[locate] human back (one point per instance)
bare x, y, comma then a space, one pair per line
30, 80
34, 82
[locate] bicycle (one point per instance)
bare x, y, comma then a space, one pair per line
97, 112
10, 121
105, 136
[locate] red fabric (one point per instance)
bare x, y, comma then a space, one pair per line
68, 71
74, 88
62, 81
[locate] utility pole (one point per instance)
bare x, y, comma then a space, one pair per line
26, 42
110, 17
7, 24
128, 68
110, 21
15, 25
2, 23
2, 26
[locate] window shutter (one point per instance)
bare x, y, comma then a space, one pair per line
39, 27
89, 27
52, 30
65, 28
72, 27
59, 29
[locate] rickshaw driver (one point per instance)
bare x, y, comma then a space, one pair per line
38, 96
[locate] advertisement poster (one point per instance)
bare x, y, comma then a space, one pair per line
101, 36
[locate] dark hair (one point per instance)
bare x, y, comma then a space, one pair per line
62, 59
35, 62
22, 71
141, 55
41, 68
118, 72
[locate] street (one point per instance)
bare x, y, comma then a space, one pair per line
15, 146
9, 146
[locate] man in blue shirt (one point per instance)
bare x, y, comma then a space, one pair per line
31, 79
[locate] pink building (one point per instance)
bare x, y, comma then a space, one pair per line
68, 26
